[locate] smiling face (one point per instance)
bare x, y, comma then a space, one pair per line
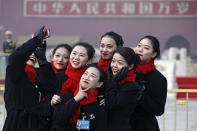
107, 47
90, 79
60, 58
118, 62
78, 57
145, 50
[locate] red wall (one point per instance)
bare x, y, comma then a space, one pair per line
90, 29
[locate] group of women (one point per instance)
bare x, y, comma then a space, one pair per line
123, 91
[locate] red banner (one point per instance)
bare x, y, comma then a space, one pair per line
110, 8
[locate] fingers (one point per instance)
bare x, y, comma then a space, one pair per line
80, 87
83, 92
85, 95
55, 100
80, 95
44, 43
86, 89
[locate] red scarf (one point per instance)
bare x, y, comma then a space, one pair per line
31, 73
128, 78
146, 68
92, 97
74, 76
55, 69
104, 63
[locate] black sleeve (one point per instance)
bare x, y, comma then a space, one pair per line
18, 59
64, 111
118, 97
60, 79
154, 100
101, 123
43, 109
48, 77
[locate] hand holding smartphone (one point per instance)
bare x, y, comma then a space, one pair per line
44, 34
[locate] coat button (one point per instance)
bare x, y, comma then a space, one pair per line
36, 86
48, 119
34, 130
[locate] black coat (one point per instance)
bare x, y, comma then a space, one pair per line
120, 102
61, 77
63, 112
25, 110
151, 104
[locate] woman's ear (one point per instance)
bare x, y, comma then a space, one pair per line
99, 84
51, 56
89, 61
131, 66
154, 55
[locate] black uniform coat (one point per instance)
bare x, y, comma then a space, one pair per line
65, 110
61, 77
120, 102
25, 111
151, 104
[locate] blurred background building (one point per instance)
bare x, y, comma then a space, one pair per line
173, 22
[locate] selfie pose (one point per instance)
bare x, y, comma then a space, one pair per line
24, 88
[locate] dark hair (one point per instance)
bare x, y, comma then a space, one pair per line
89, 48
63, 45
102, 76
117, 38
155, 44
129, 55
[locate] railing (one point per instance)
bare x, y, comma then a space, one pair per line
4, 62
179, 102
176, 102
2, 101
4, 54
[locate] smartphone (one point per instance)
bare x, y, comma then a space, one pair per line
46, 33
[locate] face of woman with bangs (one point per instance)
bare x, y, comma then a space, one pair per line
117, 63
90, 79
60, 58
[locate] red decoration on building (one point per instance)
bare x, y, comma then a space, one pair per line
112, 8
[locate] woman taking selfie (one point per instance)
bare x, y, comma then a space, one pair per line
24, 88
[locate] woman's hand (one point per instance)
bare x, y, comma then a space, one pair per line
81, 94
55, 100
